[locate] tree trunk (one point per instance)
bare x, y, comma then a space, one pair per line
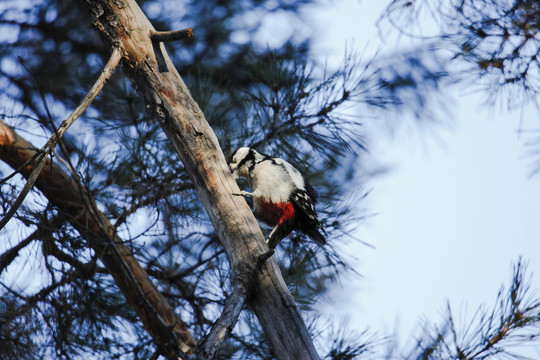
169, 332
123, 24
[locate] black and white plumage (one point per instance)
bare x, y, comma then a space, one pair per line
282, 198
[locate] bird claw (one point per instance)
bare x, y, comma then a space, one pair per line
265, 256
242, 193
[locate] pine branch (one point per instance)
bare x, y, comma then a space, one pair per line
245, 276
168, 331
57, 136
169, 190
42, 228
512, 320
40, 162
225, 323
7, 257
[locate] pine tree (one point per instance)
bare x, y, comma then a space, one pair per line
497, 41
116, 163
115, 255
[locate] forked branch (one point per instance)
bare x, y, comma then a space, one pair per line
48, 148
243, 285
225, 323
168, 331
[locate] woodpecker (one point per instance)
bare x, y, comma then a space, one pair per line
282, 198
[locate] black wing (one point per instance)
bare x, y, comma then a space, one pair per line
307, 216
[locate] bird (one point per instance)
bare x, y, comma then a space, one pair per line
282, 197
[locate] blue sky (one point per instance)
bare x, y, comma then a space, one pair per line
456, 211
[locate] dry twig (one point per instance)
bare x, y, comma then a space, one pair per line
48, 148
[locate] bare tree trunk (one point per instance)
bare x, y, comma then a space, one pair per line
169, 332
123, 24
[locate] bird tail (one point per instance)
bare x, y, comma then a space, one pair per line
315, 235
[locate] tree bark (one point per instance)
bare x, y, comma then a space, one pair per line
169, 332
123, 24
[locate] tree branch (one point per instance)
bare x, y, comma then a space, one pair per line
226, 322
244, 282
43, 227
40, 162
169, 332
160, 36
7, 257
106, 73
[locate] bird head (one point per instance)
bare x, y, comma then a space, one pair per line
241, 160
